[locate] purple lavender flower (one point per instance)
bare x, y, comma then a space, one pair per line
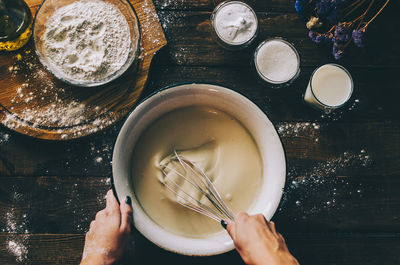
337, 51
342, 33
320, 38
299, 7
358, 37
323, 38
323, 7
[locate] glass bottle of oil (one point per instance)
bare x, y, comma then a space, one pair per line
15, 24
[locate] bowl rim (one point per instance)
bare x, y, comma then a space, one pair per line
230, 246
90, 84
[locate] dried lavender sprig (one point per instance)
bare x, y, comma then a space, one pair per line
380, 10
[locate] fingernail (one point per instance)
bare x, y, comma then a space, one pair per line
128, 200
224, 224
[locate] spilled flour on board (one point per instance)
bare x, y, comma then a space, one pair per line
148, 31
42, 104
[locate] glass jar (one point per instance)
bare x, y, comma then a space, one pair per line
276, 62
15, 24
234, 25
330, 87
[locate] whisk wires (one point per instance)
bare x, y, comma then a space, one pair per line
198, 181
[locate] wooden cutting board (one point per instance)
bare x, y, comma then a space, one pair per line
35, 103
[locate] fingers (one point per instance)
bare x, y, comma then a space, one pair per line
240, 219
271, 226
111, 202
230, 228
92, 225
274, 231
126, 215
100, 214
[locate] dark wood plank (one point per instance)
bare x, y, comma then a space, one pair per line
21, 155
341, 201
209, 5
50, 204
342, 190
190, 41
304, 145
329, 249
373, 98
40, 249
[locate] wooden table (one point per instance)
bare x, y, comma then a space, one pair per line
341, 203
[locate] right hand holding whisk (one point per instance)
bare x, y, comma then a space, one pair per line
258, 242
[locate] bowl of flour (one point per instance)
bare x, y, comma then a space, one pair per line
87, 42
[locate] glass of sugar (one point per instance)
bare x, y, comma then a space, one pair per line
329, 88
234, 24
277, 62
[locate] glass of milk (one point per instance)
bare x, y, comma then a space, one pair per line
234, 24
277, 62
329, 88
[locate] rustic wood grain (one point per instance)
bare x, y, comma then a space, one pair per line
190, 41
103, 105
304, 149
326, 198
373, 99
328, 249
341, 201
209, 5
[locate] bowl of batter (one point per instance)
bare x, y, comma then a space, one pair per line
221, 131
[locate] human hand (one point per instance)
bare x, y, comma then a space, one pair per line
258, 242
109, 233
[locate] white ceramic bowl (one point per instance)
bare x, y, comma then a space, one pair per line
224, 99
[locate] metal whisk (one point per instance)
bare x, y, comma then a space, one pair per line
190, 178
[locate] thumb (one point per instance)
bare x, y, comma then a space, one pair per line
230, 228
126, 214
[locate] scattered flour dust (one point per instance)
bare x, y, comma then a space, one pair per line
4, 137
320, 186
297, 129
16, 225
324, 186
87, 40
18, 249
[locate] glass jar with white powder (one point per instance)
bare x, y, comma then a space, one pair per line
277, 62
234, 24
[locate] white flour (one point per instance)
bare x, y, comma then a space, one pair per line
87, 40
18, 249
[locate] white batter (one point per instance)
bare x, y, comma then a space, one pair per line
217, 143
